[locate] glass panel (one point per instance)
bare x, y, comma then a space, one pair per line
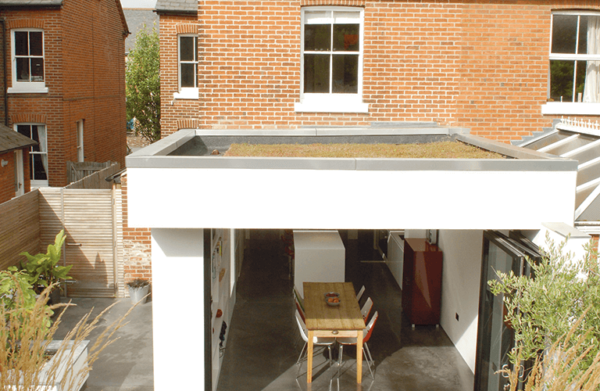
37, 69
564, 33
35, 136
346, 17
580, 80
561, 80
35, 43
345, 74
317, 37
317, 17
316, 73
346, 37
187, 75
583, 34
186, 48
21, 46
23, 69
25, 130
39, 173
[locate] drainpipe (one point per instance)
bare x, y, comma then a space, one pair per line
3, 21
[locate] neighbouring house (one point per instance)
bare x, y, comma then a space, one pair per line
486, 73
65, 79
14, 163
139, 15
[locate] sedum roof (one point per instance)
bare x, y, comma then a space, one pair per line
183, 6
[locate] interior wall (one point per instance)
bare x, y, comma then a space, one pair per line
460, 289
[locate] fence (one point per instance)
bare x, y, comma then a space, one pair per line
92, 220
80, 170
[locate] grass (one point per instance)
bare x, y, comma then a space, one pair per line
436, 150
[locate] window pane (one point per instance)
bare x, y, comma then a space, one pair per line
317, 37
38, 172
187, 75
346, 37
345, 74
35, 43
21, 43
23, 69
316, 73
25, 130
564, 33
561, 80
317, 17
35, 136
346, 17
186, 48
37, 69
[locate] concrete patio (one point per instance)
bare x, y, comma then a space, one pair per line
126, 365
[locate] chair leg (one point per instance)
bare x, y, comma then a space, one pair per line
367, 352
340, 354
330, 358
299, 362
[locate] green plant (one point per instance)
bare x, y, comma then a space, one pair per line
138, 283
43, 269
543, 309
143, 85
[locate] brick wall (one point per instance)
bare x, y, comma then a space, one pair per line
85, 76
137, 251
7, 175
480, 64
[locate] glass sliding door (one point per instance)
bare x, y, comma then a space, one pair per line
495, 337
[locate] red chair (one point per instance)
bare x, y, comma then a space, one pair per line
352, 341
366, 309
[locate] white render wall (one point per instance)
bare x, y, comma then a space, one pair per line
461, 279
178, 308
348, 199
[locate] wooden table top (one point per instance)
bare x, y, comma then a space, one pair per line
320, 316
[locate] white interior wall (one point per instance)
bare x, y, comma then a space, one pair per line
460, 289
177, 308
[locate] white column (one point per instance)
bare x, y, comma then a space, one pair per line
178, 309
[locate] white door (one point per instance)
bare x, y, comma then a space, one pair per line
19, 175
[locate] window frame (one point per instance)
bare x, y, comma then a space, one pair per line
332, 102
79, 141
35, 183
573, 107
25, 87
186, 92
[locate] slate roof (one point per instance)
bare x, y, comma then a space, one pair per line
135, 21
179, 6
30, 2
11, 140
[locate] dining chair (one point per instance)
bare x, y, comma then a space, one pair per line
366, 309
352, 341
299, 303
360, 293
317, 341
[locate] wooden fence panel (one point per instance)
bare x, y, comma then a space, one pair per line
97, 179
19, 228
87, 217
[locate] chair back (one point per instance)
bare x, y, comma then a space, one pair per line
298, 297
366, 309
360, 293
369, 330
301, 327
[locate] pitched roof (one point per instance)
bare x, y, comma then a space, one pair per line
136, 19
20, 3
177, 6
11, 140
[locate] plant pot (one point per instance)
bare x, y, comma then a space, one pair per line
136, 294
54, 297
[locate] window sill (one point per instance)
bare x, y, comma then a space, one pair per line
21, 90
571, 108
187, 93
331, 105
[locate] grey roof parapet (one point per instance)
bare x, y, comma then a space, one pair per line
335, 131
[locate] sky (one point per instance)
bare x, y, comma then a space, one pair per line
138, 3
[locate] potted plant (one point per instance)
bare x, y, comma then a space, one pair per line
44, 271
138, 289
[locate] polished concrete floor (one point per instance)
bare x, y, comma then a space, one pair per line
264, 343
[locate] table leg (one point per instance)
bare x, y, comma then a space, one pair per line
359, 356
309, 356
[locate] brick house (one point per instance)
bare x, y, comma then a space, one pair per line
499, 69
65, 81
14, 163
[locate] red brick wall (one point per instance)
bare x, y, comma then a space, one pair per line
137, 249
480, 64
7, 175
84, 72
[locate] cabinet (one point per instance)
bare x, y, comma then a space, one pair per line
422, 282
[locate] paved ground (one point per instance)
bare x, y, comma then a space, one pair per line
126, 365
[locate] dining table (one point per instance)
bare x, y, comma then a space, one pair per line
342, 320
